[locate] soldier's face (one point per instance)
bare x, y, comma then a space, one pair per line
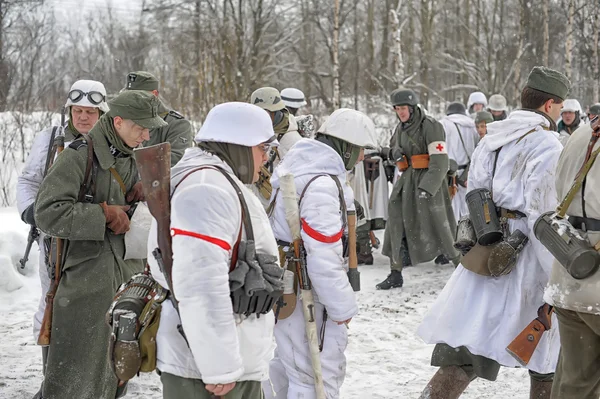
403, 112
482, 129
132, 134
477, 107
260, 155
553, 109
568, 117
84, 118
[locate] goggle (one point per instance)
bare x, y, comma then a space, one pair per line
94, 97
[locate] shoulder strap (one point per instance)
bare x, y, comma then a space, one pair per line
462, 141
343, 207
88, 170
119, 179
566, 202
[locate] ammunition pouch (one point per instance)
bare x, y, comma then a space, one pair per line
134, 317
402, 163
567, 245
484, 217
256, 282
503, 256
419, 161
264, 183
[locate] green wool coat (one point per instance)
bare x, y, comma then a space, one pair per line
94, 268
178, 132
428, 223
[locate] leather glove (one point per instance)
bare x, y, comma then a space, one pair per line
136, 193
116, 217
27, 215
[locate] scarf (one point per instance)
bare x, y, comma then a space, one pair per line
282, 127
349, 152
238, 157
117, 145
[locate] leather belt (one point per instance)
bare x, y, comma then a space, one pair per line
585, 224
510, 214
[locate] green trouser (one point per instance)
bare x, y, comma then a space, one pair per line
363, 240
578, 369
175, 387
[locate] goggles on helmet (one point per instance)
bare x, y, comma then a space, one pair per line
94, 97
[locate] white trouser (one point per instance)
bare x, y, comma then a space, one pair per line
45, 283
459, 203
290, 371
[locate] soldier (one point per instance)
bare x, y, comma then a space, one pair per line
477, 102
570, 120
178, 130
91, 217
482, 119
576, 301
498, 107
481, 310
293, 99
420, 224
86, 103
370, 186
227, 352
319, 168
594, 111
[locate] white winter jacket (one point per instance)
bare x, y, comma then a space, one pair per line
32, 175
322, 225
456, 150
205, 223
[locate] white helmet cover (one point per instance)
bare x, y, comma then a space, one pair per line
477, 97
571, 105
497, 103
237, 123
87, 86
293, 98
351, 126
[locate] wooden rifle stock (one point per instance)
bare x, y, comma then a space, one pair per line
154, 166
524, 345
353, 273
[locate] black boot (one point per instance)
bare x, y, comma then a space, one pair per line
393, 280
365, 259
441, 260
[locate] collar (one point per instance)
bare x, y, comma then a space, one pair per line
102, 149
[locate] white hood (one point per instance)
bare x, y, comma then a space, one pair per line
517, 124
307, 157
461, 120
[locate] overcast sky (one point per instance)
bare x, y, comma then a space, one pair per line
122, 8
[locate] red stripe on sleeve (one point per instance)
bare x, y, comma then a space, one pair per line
314, 234
217, 241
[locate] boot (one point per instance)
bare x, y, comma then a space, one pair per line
540, 389
441, 260
448, 383
393, 280
365, 259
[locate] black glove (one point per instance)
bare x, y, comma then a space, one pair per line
360, 211
28, 215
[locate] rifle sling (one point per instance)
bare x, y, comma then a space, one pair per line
51, 149
566, 202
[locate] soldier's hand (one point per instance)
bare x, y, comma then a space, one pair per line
116, 217
136, 193
220, 389
27, 215
339, 323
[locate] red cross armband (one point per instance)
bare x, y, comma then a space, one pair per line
437, 148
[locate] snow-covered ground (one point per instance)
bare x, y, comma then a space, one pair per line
385, 357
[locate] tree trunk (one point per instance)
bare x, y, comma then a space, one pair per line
336, 62
569, 41
596, 43
546, 54
399, 72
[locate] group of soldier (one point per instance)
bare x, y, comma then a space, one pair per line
261, 205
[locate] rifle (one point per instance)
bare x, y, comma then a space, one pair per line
353, 273
46, 327
33, 236
523, 346
292, 216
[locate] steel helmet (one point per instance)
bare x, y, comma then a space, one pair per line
293, 98
237, 123
351, 126
571, 105
267, 98
88, 93
456, 108
497, 103
403, 96
595, 109
477, 97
